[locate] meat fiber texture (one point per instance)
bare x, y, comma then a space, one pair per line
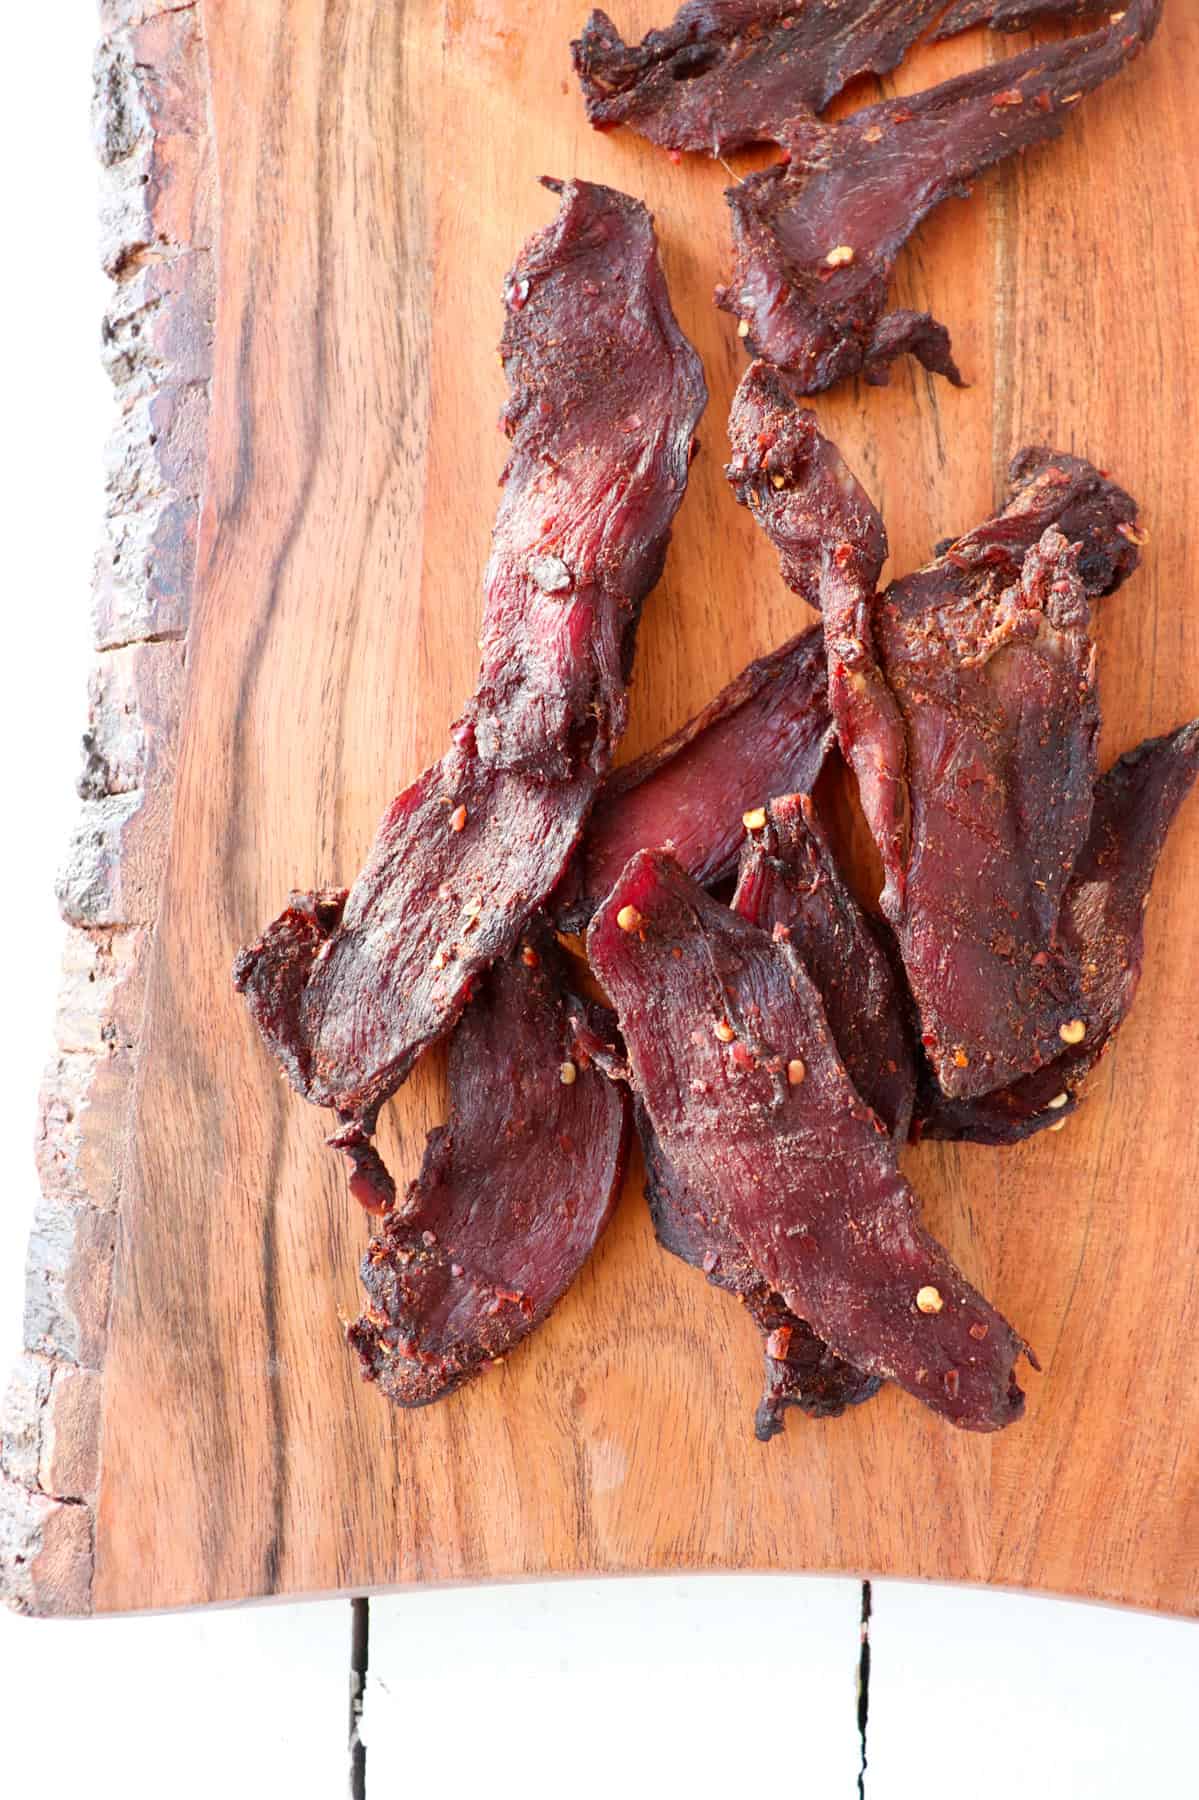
714, 1012
1103, 924
800, 1369
790, 885
348, 988
768, 732
964, 699
513, 1193
727, 73
815, 238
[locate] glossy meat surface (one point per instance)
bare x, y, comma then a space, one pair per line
714, 1015
605, 393
513, 1193
815, 237
790, 885
1016, 15
1103, 923
800, 1369
726, 73
766, 733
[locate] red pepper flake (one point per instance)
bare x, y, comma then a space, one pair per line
710, 1261
978, 1332
676, 156
457, 1271
778, 1343
952, 1381
529, 956
458, 819
1009, 97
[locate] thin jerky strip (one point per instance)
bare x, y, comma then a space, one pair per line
514, 1191
727, 73
815, 238
1016, 15
713, 1013
1103, 920
790, 885
605, 393
766, 733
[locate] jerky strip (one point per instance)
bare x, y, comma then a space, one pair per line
1103, 920
727, 73
605, 392
715, 1015
513, 1193
766, 733
815, 238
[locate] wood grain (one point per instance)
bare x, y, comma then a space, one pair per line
377, 173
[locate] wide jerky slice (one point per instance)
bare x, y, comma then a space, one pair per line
605, 392
714, 1014
727, 73
766, 733
790, 884
513, 1192
1015, 15
800, 1369
815, 237
1103, 922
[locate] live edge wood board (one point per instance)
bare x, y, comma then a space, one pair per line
376, 172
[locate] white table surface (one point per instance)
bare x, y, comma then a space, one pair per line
697, 1685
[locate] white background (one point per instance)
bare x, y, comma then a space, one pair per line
701, 1685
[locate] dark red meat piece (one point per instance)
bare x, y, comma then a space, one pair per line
713, 1012
766, 733
1016, 15
815, 237
790, 885
1103, 923
964, 702
605, 393
513, 1193
800, 1369
728, 73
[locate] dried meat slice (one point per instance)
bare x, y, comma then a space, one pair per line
348, 988
1015, 15
727, 73
964, 701
790, 884
514, 1191
815, 237
714, 1015
768, 732
1103, 918
800, 1369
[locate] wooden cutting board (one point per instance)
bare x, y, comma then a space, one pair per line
376, 173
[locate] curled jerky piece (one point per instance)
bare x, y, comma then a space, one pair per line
605, 393
513, 1193
713, 1012
727, 73
767, 732
800, 1369
1103, 923
790, 885
815, 237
